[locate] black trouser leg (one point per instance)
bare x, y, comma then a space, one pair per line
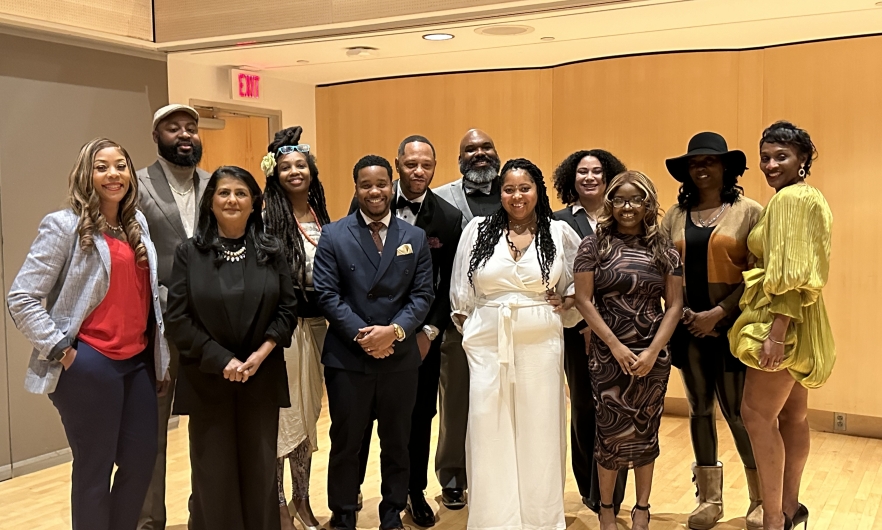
705, 379
350, 401
424, 410
582, 422
395, 396
257, 433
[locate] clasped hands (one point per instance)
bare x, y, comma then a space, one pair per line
702, 324
632, 364
377, 341
240, 372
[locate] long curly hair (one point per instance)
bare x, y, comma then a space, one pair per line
652, 237
784, 132
279, 216
494, 226
565, 174
84, 200
206, 236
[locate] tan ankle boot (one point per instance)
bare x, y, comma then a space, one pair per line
709, 481
754, 518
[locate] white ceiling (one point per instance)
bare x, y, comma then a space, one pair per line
579, 34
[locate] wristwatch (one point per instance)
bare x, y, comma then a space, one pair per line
399, 332
430, 331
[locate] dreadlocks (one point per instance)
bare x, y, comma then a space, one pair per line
280, 220
493, 227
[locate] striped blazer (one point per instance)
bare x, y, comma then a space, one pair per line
72, 282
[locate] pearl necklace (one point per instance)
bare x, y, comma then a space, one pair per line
117, 228
233, 255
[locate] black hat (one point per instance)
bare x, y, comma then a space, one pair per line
707, 143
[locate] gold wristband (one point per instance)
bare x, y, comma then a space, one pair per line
776, 341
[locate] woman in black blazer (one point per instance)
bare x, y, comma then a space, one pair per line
231, 311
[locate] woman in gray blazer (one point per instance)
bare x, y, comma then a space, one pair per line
99, 350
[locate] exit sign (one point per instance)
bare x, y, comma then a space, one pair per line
245, 85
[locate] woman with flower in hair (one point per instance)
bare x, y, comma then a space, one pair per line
99, 349
511, 295
623, 272
295, 212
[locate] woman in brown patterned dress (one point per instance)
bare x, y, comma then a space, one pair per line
627, 268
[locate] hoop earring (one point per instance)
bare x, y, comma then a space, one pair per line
801, 172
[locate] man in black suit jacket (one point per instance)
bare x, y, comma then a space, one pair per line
581, 181
373, 278
417, 205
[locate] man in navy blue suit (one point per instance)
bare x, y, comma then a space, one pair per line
373, 278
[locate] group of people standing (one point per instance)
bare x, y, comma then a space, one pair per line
243, 303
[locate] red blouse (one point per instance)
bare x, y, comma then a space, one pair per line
118, 326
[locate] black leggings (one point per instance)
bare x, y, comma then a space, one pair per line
706, 379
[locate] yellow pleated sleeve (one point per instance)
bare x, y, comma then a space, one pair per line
792, 245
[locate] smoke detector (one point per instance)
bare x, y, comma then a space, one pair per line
361, 51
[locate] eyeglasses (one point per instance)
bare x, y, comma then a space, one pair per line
288, 149
633, 202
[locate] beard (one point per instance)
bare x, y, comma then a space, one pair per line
480, 175
170, 153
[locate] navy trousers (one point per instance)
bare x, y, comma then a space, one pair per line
109, 412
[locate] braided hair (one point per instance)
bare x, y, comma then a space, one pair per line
280, 220
784, 132
495, 226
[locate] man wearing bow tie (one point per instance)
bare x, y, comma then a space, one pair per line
373, 278
475, 194
417, 205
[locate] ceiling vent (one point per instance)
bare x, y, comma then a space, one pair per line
504, 30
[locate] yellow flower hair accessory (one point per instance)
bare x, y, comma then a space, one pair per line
268, 164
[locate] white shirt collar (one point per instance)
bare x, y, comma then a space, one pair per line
418, 200
577, 207
385, 220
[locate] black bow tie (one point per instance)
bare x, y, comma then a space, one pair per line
404, 203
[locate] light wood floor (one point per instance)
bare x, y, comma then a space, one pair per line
842, 487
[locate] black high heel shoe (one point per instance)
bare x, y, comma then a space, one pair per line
642, 509
604, 507
788, 523
801, 516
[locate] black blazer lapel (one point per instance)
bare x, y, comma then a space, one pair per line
427, 212
158, 187
362, 234
583, 227
255, 281
389, 249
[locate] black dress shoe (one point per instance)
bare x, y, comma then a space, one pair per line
453, 498
340, 521
419, 510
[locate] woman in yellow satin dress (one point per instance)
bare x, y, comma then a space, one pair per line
783, 334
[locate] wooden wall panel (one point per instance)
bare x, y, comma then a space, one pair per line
645, 109
834, 90
353, 120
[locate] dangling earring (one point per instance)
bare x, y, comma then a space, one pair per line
802, 172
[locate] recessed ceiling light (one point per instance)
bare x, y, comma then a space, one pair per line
438, 36
547, 39
361, 51
303, 61
504, 30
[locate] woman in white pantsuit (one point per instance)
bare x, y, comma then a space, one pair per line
511, 295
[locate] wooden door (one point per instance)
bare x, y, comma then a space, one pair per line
242, 142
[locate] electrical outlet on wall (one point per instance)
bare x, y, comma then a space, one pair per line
840, 421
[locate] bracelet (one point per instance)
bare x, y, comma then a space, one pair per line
775, 341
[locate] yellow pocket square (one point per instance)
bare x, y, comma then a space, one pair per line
404, 250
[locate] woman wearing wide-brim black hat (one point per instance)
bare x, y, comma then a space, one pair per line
709, 226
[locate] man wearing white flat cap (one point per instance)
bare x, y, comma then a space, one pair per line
170, 191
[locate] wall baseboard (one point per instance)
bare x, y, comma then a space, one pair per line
62, 456
819, 420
